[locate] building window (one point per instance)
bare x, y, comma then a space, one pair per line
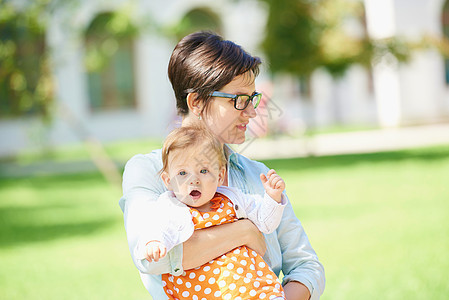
25, 80
110, 63
305, 87
446, 35
198, 19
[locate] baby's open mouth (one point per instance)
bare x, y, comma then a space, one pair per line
195, 194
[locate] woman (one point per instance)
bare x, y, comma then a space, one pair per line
207, 74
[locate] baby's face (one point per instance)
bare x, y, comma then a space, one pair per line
193, 176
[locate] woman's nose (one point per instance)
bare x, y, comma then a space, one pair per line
249, 111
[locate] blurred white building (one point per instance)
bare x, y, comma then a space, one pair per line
132, 98
391, 94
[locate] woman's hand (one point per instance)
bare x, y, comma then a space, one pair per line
295, 290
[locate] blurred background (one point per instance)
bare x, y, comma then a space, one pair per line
355, 117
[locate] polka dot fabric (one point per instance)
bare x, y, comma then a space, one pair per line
239, 274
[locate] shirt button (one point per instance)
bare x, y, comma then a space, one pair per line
236, 207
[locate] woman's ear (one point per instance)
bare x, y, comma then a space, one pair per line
194, 103
166, 179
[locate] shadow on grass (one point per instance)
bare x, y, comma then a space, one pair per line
25, 225
303, 163
47, 208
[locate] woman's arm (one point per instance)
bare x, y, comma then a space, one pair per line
300, 263
215, 241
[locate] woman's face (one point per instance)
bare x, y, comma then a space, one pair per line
226, 122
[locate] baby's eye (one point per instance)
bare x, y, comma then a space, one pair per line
182, 173
204, 171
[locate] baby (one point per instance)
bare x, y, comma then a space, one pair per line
194, 168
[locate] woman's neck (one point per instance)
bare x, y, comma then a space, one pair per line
190, 120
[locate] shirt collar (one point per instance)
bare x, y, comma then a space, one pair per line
231, 156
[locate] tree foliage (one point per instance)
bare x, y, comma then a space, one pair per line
197, 19
304, 35
25, 78
104, 35
26, 83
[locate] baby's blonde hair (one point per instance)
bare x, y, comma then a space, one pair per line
187, 137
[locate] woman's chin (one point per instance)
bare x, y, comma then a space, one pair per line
239, 142
236, 140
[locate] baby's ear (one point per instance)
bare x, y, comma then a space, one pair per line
221, 175
166, 179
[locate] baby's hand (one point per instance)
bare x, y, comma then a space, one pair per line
274, 185
154, 251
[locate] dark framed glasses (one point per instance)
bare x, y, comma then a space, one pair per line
240, 101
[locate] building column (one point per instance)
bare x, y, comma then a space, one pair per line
381, 24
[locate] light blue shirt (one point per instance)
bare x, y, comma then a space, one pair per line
288, 247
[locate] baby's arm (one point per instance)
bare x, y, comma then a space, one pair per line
274, 185
164, 219
264, 211
154, 250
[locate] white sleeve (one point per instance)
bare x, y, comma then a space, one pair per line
264, 211
162, 225
142, 187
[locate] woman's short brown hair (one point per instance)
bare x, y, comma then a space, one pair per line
203, 62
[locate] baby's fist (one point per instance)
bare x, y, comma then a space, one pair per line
154, 251
274, 185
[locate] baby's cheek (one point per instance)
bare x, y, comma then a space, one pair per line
180, 180
182, 197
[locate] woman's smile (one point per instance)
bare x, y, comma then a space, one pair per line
242, 126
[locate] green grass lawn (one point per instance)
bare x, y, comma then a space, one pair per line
379, 223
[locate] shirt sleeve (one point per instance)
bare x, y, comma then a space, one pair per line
299, 260
264, 211
141, 188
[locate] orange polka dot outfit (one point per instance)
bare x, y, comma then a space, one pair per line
239, 274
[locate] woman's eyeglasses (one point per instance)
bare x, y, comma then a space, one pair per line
240, 101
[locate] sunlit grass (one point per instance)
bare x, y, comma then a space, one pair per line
379, 223
118, 151
63, 238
